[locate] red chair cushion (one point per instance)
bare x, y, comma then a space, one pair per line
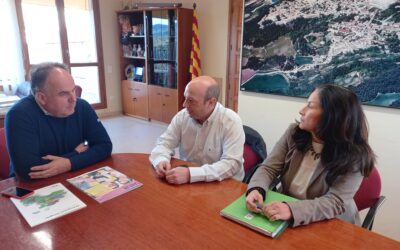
78, 90
4, 158
369, 191
251, 158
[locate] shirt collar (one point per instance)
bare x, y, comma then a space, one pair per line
42, 108
213, 115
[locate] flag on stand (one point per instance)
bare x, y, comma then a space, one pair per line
195, 65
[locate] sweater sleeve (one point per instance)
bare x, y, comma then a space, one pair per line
95, 134
24, 147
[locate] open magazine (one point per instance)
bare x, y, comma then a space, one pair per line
104, 183
48, 203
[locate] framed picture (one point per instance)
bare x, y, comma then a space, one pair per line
291, 46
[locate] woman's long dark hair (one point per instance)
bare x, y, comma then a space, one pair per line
344, 131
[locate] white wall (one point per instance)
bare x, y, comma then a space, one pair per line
110, 39
270, 115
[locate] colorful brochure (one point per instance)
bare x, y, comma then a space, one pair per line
104, 183
48, 203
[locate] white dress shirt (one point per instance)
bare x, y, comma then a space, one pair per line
216, 145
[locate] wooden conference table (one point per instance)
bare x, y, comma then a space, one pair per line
162, 216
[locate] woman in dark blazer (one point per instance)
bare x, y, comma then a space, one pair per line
321, 160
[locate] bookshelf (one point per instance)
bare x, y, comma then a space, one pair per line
154, 57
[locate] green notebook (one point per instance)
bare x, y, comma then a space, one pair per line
238, 212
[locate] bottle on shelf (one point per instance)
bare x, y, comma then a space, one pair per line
134, 50
1, 87
8, 87
125, 50
139, 51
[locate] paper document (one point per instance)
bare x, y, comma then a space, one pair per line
48, 203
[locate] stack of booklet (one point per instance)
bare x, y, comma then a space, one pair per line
237, 211
104, 183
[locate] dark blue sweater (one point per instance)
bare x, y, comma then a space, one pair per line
31, 135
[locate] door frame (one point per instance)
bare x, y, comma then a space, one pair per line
235, 27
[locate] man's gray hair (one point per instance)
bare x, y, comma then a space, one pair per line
40, 72
212, 91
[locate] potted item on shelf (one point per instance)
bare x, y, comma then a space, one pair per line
125, 23
137, 30
126, 5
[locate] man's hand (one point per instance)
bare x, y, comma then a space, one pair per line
57, 165
81, 148
178, 175
162, 168
277, 211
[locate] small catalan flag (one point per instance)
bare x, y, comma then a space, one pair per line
195, 65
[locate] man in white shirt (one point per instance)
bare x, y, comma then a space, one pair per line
206, 133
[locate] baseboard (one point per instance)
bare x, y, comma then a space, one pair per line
108, 114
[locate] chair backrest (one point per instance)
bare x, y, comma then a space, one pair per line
255, 141
369, 191
251, 158
254, 152
4, 157
78, 91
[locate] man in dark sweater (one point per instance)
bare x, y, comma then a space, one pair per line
52, 131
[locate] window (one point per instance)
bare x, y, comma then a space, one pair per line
11, 65
65, 31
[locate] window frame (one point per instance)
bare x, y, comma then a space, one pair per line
64, 46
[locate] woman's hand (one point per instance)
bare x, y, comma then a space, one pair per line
277, 211
254, 201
